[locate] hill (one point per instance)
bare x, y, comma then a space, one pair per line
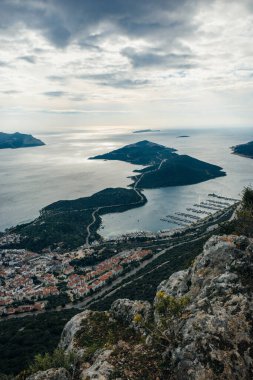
178, 170
198, 327
141, 153
18, 140
245, 150
71, 223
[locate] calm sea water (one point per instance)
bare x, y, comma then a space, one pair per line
31, 178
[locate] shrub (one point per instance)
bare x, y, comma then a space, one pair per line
244, 222
58, 359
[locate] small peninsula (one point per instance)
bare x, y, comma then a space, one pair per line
18, 140
147, 130
71, 223
245, 150
164, 167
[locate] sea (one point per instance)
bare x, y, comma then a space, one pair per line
31, 178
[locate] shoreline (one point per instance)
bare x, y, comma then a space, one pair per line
204, 224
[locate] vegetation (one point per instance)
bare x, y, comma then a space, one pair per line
178, 171
244, 220
143, 285
18, 140
22, 338
64, 223
169, 310
243, 224
141, 153
93, 259
57, 359
102, 331
244, 149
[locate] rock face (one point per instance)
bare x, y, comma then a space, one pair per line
211, 339
72, 327
215, 338
51, 374
125, 310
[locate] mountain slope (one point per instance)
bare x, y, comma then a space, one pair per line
198, 328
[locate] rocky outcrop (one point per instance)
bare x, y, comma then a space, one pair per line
72, 327
215, 337
125, 310
210, 338
51, 374
100, 369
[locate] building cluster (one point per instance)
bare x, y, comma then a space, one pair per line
28, 279
102, 273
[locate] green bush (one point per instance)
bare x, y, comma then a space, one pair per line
247, 198
57, 359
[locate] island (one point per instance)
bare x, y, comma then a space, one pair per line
67, 224
245, 150
147, 130
164, 167
140, 153
182, 136
18, 140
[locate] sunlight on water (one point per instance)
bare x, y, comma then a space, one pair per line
31, 178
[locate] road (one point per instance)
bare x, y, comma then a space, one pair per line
135, 188
109, 289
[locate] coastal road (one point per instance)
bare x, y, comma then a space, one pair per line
110, 289
135, 188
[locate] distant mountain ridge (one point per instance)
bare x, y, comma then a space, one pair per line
18, 140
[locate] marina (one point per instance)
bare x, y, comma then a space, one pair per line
204, 208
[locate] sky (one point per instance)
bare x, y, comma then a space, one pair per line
125, 63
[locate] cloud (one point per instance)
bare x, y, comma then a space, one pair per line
54, 94
62, 21
28, 58
57, 78
118, 79
10, 92
125, 83
149, 58
4, 64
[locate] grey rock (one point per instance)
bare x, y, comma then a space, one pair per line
67, 341
101, 369
125, 310
51, 374
214, 338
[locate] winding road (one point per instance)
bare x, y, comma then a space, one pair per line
135, 188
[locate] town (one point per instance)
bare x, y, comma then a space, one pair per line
33, 282
54, 279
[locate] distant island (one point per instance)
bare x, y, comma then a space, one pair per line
164, 166
182, 136
70, 223
18, 140
146, 130
245, 150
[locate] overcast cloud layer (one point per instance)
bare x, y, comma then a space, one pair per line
126, 62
